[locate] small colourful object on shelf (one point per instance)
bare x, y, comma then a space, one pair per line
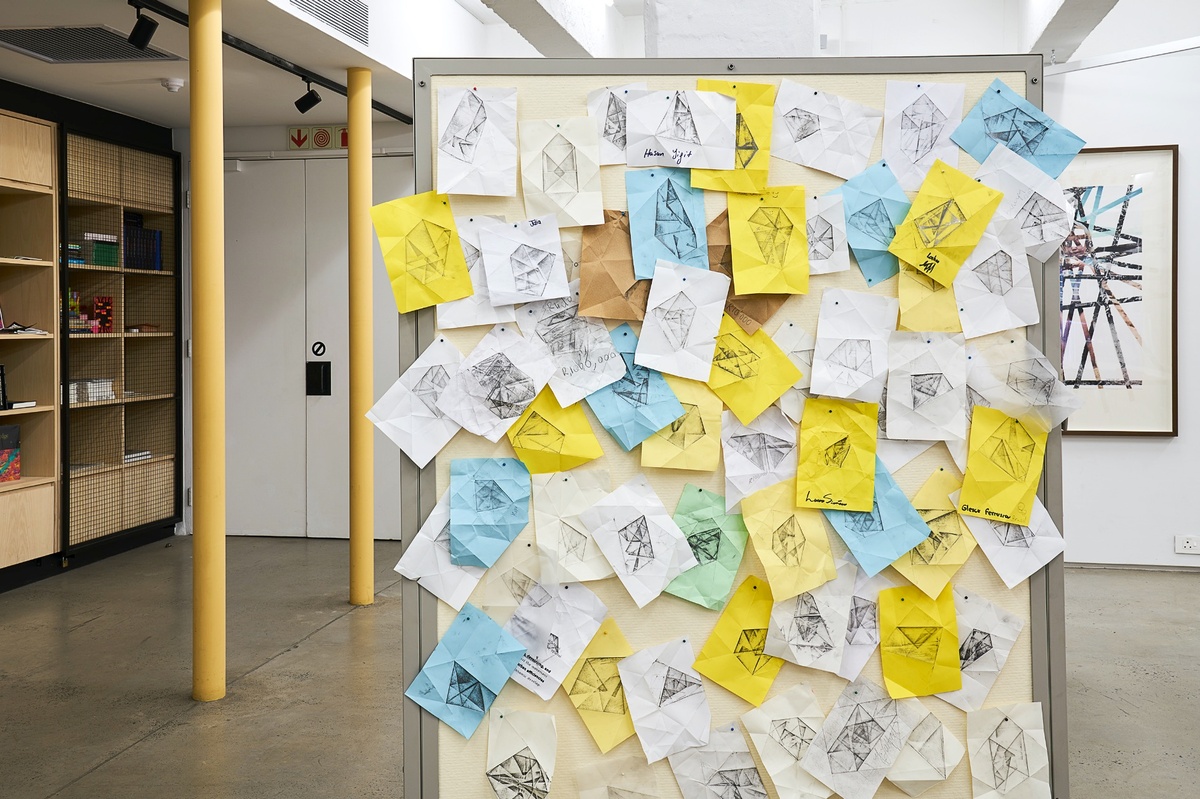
102, 314
10, 453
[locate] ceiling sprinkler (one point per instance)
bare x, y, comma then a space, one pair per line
173, 85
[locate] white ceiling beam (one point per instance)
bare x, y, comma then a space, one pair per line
1060, 26
561, 28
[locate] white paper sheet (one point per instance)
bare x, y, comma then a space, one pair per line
1013, 376
476, 309
929, 757
810, 629
407, 413
850, 359
898, 454
1009, 759
862, 630
524, 261
560, 170
511, 578
580, 347
522, 749
798, 344
986, 636
1032, 197
477, 142
427, 560
554, 625
495, 383
757, 455
918, 119
683, 316
640, 539
558, 499
608, 109
620, 778
994, 288
781, 729
1016, 551
828, 249
927, 387
684, 128
822, 130
723, 767
666, 699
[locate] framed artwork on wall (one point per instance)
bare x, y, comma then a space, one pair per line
1117, 290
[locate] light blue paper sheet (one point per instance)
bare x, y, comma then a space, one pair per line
640, 403
666, 219
874, 204
889, 530
1004, 116
489, 506
466, 671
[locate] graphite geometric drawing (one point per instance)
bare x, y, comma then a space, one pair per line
565, 333
809, 631
763, 450
934, 549
1016, 130
772, 230
466, 691
873, 220
638, 547
675, 317
552, 645
1008, 756
917, 643
929, 741
1038, 217
431, 385
821, 243
672, 225
936, 224
677, 123
521, 585
560, 170
531, 269
1011, 449
614, 122
687, 429
996, 272
677, 685
836, 453
855, 743
705, 544
863, 626
537, 433
599, 685
866, 523
921, 125
489, 495
634, 387
465, 129
1032, 380
737, 783
793, 735
745, 147
507, 390
519, 777
977, 644
471, 253
853, 355
787, 542
929, 386
571, 541
801, 124
749, 649
425, 251
1013, 535
735, 357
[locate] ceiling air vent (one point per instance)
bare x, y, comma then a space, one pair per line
90, 44
350, 17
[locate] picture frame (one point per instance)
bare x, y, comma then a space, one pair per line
1118, 295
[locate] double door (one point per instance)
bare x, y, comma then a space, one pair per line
286, 282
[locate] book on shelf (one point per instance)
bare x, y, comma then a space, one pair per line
110, 238
10, 453
21, 405
138, 455
99, 389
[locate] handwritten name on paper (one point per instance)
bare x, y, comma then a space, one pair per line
985, 511
824, 499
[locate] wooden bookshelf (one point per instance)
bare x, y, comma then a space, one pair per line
124, 199
29, 295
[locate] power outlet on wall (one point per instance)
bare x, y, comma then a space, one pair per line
1187, 545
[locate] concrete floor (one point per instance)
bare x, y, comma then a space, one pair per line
95, 680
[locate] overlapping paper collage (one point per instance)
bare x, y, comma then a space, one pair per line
729, 578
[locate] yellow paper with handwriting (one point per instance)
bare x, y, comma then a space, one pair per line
791, 542
769, 236
918, 642
933, 563
693, 441
752, 138
837, 454
945, 222
550, 438
421, 251
926, 306
733, 656
594, 687
1004, 465
749, 372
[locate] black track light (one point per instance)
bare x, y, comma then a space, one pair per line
308, 101
143, 31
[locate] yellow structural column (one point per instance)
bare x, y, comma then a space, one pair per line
208, 361
362, 392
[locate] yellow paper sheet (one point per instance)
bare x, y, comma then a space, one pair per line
769, 236
933, 563
945, 222
791, 542
424, 259
837, 454
926, 306
1004, 465
693, 441
749, 372
733, 655
918, 642
550, 438
752, 138
594, 687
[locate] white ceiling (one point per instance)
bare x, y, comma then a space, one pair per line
255, 92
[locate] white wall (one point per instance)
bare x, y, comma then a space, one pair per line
1141, 23
920, 27
1126, 498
